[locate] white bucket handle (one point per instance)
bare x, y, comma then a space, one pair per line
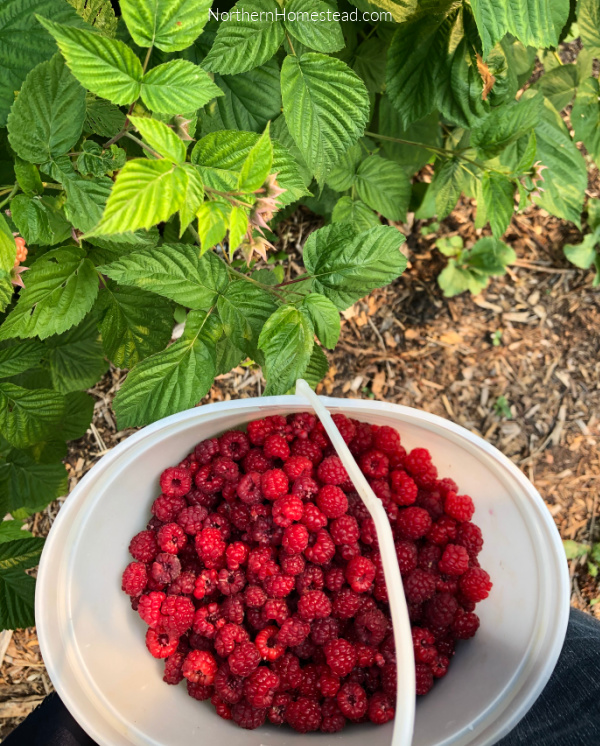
405, 685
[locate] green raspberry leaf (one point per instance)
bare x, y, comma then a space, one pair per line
170, 25
325, 318
177, 86
286, 340
27, 417
76, 357
18, 357
27, 484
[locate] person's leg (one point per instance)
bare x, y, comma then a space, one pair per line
51, 724
567, 713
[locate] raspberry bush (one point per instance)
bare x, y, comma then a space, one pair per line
299, 632
147, 153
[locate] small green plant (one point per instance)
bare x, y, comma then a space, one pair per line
587, 253
471, 269
575, 550
497, 338
502, 407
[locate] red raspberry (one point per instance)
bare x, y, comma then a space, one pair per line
368, 534
386, 439
144, 547
275, 713
177, 614
231, 582
161, 644
258, 431
290, 673
305, 487
419, 586
329, 684
266, 644
346, 604
445, 584
244, 659
312, 579
475, 584
371, 627
207, 620
363, 439
228, 637
255, 460
261, 564
459, 507
423, 645
332, 471
440, 610
190, 519
418, 463
254, 596
303, 715
406, 551
424, 678
302, 424
323, 630
274, 483
183, 585
295, 539
200, 667
344, 530
439, 667
314, 605
313, 518
333, 721
171, 538
207, 481
275, 610
249, 488
381, 708
320, 437
334, 579
468, 536
135, 578
246, 716
236, 555
206, 451
432, 503
360, 574
465, 625
226, 468
414, 523
234, 445
276, 446
347, 551
173, 665
332, 501
442, 531
292, 564
341, 656
446, 485
352, 700
309, 450
307, 651
239, 515
233, 609
228, 687
279, 586
220, 521
206, 584
175, 481
165, 568
320, 549
297, 466
222, 709
210, 544
260, 686
429, 556
374, 464
202, 499
287, 509
404, 488
455, 560
149, 607
201, 692
166, 507
346, 427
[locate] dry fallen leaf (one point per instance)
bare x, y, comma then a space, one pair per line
486, 76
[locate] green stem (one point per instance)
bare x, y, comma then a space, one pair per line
442, 152
289, 41
558, 59
11, 193
143, 145
293, 282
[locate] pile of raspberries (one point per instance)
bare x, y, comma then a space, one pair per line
260, 579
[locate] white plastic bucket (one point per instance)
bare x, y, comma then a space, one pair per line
93, 644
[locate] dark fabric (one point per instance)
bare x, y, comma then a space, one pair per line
50, 724
567, 713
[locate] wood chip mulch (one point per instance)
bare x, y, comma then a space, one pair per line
518, 365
